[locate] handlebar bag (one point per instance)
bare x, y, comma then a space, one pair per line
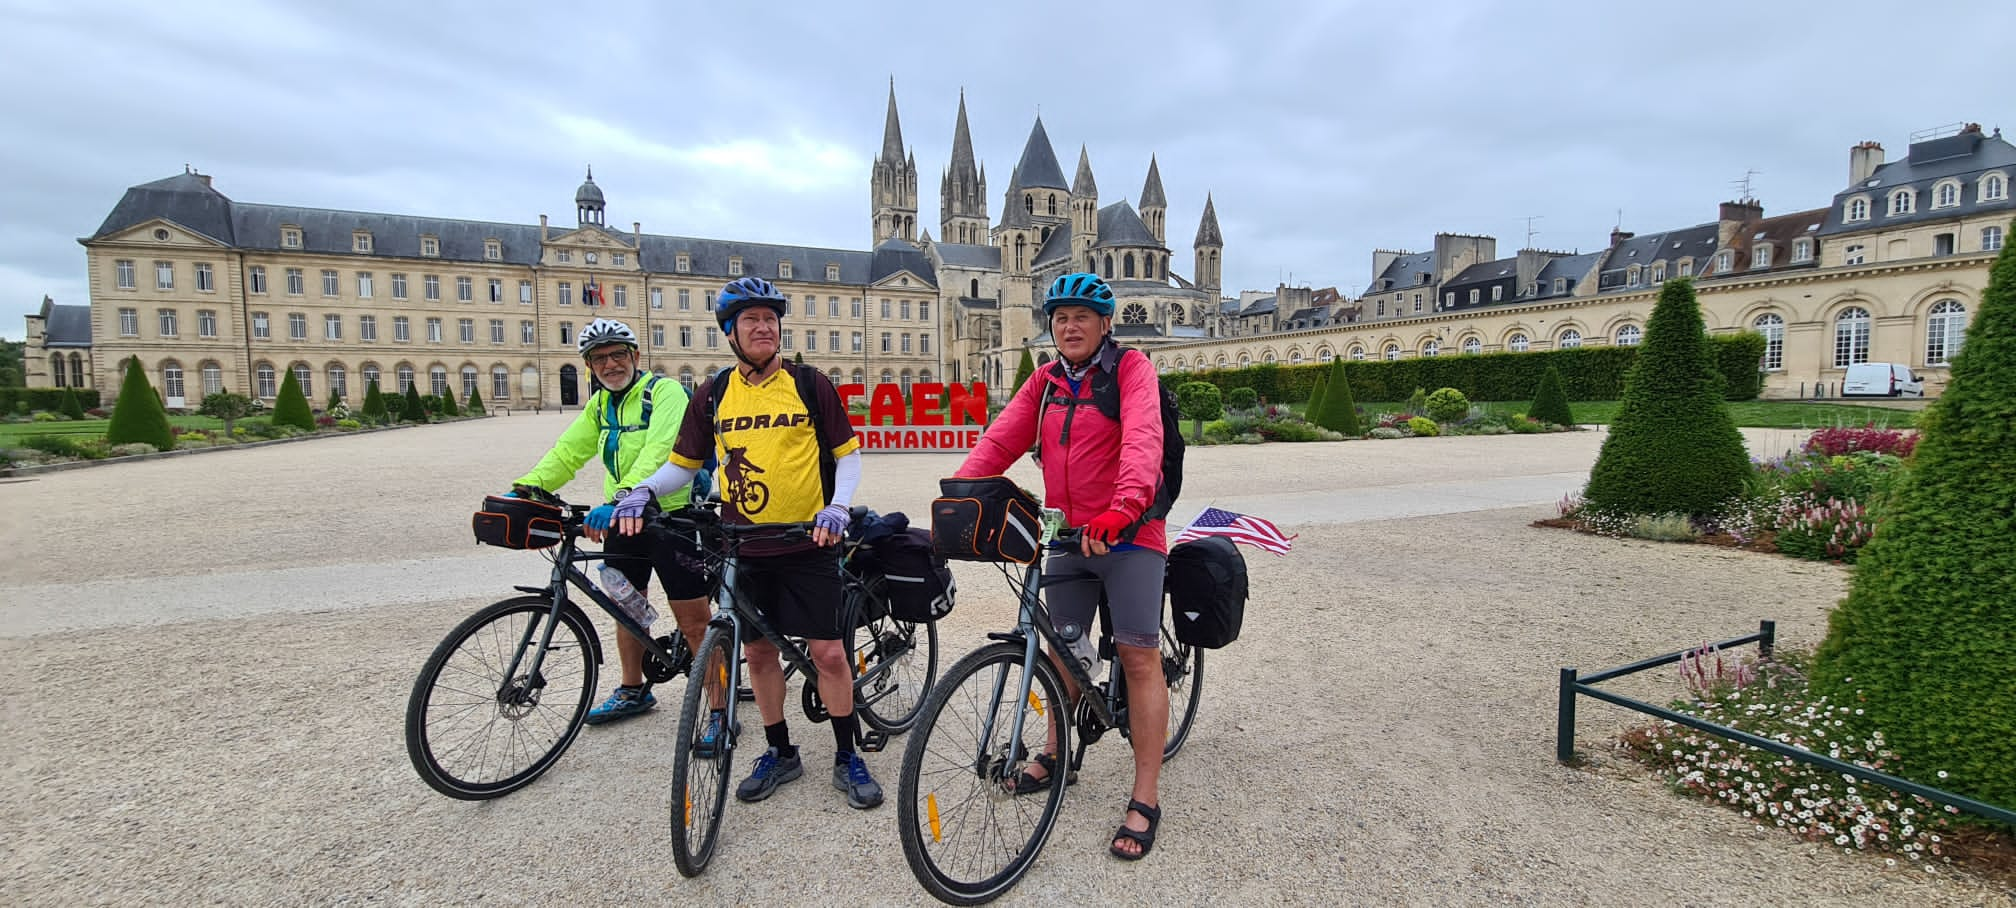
518, 523
987, 518
1206, 580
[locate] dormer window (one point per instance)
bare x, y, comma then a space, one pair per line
290, 237
1658, 272
360, 241
735, 266
1631, 276
1686, 268
1449, 298
783, 270
430, 246
682, 263
1724, 261
833, 273
1903, 201
1497, 292
1473, 297
493, 250
1858, 209
1946, 194
1760, 257
1802, 251
1560, 285
1994, 188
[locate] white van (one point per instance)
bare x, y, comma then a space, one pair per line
1882, 380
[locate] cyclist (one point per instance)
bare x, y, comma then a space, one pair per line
763, 426
630, 424
1103, 474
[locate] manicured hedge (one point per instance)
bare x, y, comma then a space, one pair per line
1587, 373
50, 399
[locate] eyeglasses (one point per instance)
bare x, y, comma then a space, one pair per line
603, 359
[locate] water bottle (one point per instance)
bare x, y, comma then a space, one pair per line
1082, 647
627, 598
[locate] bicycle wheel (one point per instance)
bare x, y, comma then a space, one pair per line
895, 664
1183, 665
700, 780
967, 837
473, 733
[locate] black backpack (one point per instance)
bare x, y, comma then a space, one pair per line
1206, 580
1106, 397
808, 393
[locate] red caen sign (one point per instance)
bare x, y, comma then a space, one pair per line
933, 417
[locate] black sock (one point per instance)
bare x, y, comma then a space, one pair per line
846, 729
779, 736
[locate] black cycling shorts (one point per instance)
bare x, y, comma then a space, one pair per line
799, 594
681, 570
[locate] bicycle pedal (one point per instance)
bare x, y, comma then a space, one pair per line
872, 742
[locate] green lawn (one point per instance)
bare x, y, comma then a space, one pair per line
95, 428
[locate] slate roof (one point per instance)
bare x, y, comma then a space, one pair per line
1573, 268
65, 326
1966, 156
1012, 212
1697, 242
1484, 271
1401, 272
1038, 168
185, 198
1260, 306
1151, 189
898, 255
1781, 232
974, 303
710, 257
1207, 226
1055, 249
969, 255
962, 145
1122, 330
1120, 226
1083, 184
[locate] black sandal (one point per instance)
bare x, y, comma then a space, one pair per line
1028, 784
1144, 838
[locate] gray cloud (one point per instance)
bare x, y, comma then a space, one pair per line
1323, 129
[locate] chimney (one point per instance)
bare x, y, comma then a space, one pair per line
1618, 235
637, 235
542, 229
1863, 159
1732, 217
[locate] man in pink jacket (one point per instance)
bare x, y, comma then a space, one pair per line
1103, 474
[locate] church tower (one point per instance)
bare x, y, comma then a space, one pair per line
1154, 205
962, 194
588, 201
893, 183
1018, 237
1210, 245
1084, 213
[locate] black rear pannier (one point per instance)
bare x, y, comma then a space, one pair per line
988, 518
517, 523
910, 577
1207, 591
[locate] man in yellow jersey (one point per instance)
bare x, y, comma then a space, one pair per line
772, 448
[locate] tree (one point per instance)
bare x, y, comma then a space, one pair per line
1923, 644
72, 407
13, 363
475, 405
1550, 404
1340, 410
413, 410
1316, 395
1242, 398
448, 404
291, 407
1198, 401
1024, 369
798, 359
1448, 405
138, 415
229, 407
335, 402
374, 403
1672, 448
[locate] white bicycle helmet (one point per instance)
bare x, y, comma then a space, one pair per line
603, 332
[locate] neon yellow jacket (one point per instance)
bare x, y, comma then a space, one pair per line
639, 449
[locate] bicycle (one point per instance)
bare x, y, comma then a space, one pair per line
502, 684
883, 654
970, 744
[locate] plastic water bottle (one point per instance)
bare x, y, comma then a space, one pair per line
627, 597
1082, 648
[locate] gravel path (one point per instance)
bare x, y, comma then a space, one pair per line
214, 715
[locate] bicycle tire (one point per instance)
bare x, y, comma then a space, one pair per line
893, 699
696, 809
1183, 665
489, 643
937, 758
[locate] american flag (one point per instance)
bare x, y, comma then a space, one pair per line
1253, 531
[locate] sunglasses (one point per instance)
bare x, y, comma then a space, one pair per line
603, 359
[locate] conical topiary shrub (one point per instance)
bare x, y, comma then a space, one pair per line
374, 403
1024, 369
1340, 410
413, 410
71, 406
1550, 403
291, 407
475, 405
1316, 396
448, 405
1923, 645
1673, 448
138, 415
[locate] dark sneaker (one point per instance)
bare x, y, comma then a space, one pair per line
852, 777
771, 771
709, 745
624, 703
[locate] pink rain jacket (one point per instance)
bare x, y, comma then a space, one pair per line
1104, 465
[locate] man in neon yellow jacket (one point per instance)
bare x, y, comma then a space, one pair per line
629, 425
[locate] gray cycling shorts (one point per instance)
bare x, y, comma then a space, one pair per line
1133, 583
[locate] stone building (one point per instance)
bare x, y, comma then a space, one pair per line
57, 353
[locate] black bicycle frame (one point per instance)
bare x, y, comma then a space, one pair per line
1103, 708
566, 573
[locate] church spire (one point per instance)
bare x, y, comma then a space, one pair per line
892, 182
1083, 185
962, 193
1151, 191
892, 131
1207, 228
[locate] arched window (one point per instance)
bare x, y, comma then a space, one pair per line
468, 381
1021, 244
267, 381
1245, 359
1772, 326
1944, 331
1053, 203
1108, 270
56, 370
1134, 314
1357, 352
856, 377
304, 377
1851, 337
1518, 343
1946, 194
888, 376
974, 289
1630, 336
686, 378
924, 376
500, 384
1392, 352
213, 378
833, 375
405, 378
905, 380
1267, 357
1570, 339
1994, 188
1858, 210
339, 380
437, 380
1431, 348
171, 381
1472, 346
1127, 264
528, 383
1029, 203
79, 380
1903, 201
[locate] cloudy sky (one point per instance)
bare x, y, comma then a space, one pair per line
1323, 129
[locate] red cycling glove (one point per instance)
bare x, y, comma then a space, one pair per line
1107, 527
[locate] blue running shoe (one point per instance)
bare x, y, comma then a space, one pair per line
852, 777
771, 771
709, 745
624, 703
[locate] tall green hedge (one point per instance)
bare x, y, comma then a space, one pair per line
1587, 373
50, 399
1924, 644
1672, 447
138, 415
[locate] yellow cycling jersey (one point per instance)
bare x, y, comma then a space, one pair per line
767, 451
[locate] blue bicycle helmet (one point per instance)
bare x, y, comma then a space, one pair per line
743, 292
1080, 289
